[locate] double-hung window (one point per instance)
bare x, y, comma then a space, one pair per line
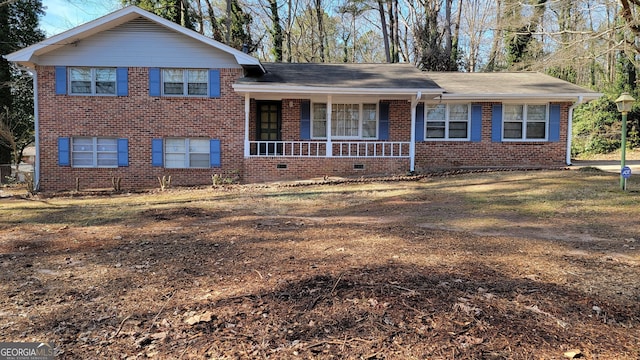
187, 153
447, 121
92, 81
525, 122
94, 152
183, 82
348, 121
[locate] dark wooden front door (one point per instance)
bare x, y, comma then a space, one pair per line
269, 126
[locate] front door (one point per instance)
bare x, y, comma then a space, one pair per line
269, 124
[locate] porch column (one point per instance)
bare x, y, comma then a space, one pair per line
247, 110
329, 145
412, 144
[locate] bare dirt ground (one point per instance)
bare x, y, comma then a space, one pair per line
510, 265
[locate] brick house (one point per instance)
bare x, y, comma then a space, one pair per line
134, 96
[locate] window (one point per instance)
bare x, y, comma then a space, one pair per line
94, 152
180, 82
348, 121
524, 122
92, 81
447, 121
187, 153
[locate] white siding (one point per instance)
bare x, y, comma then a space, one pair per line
139, 43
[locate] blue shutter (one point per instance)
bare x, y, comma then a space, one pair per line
420, 122
496, 123
157, 154
215, 153
305, 120
476, 123
554, 123
122, 79
214, 83
384, 121
123, 152
64, 151
154, 82
61, 80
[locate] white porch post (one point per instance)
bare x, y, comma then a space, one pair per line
247, 109
412, 144
329, 145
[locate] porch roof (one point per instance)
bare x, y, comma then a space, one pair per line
291, 79
504, 86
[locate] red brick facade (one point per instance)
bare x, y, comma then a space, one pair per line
140, 118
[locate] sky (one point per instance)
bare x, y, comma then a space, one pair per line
62, 15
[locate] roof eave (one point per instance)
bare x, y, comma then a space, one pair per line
547, 96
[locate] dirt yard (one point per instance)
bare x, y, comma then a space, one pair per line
504, 265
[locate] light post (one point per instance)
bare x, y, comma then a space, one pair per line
624, 104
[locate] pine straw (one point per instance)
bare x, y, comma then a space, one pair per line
322, 272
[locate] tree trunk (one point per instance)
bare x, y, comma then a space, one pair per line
497, 36
385, 32
276, 31
321, 35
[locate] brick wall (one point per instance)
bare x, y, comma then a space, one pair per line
455, 154
264, 169
139, 118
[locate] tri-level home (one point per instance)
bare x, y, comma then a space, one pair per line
136, 97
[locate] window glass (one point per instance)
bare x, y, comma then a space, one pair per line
522, 121
345, 119
185, 82
435, 129
447, 121
436, 112
536, 113
513, 112
369, 120
80, 80
105, 81
459, 112
187, 153
319, 120
94, 152
173, 81
197, 82
458, 130
512, 130
536, 130
92, 81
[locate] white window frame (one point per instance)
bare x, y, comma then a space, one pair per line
447, 122
94, 80
185, 83
525, 120
94, 150
334, 108
187, 153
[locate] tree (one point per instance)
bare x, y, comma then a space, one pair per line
18, 29
177, 11
276, 31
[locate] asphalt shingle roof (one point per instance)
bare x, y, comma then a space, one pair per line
508, 83
398, 76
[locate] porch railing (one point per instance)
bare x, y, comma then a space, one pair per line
374, 149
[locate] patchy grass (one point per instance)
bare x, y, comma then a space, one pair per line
513, 265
